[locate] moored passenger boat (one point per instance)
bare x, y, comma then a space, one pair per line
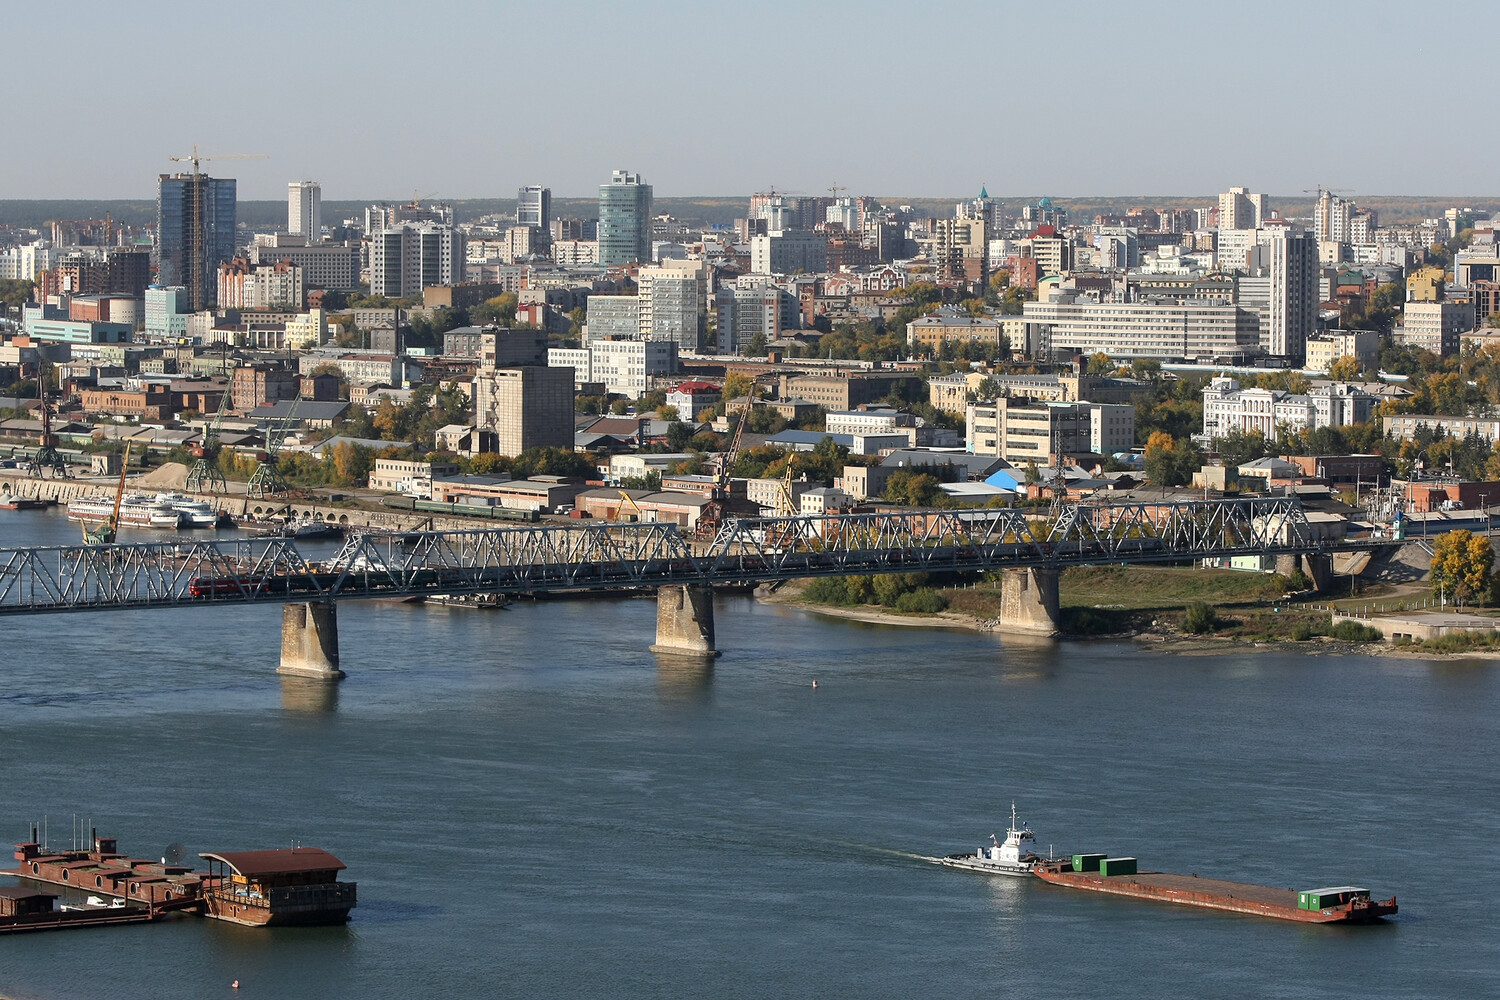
296, 885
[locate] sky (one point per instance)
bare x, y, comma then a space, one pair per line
384, 99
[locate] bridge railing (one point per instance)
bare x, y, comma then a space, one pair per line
616, 556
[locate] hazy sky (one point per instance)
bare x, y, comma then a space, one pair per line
379, 99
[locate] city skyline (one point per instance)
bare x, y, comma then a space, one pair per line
1103, 102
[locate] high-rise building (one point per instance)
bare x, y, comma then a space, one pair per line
405, 259
670, 306
528, 407
534, 207
1241, 209
1290, 261
304, 210
624, 219
195, 218
1331, 217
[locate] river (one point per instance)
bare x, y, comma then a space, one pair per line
534, 805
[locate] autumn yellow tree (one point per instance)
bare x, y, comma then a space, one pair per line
1461, 566
1344, 369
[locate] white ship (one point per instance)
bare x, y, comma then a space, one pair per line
1013, 857
139, 509
195, 513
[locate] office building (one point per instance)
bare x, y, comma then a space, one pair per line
534, 208
750, 309
1435, 326
407, 258
528, 407
673, 303
304, 210
167, 310
623, 367
1071, 325
334, 266
613, 317
1361, 345
788, 252
1041, 433
195, 220
624, 219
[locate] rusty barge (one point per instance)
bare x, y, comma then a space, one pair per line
1121, 877
297, 885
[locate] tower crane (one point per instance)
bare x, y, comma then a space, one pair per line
267, 480
195, 159
834, 190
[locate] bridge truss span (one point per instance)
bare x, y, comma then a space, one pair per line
600, 556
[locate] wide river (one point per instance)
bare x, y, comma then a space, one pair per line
534, 806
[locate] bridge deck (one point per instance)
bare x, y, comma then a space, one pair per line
617, 557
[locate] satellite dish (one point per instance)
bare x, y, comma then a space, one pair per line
173, 854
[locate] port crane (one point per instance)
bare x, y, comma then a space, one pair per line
46, 456
712, 518
267, 481
205, 475
105, 531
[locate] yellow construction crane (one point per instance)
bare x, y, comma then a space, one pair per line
195, 159
105, 531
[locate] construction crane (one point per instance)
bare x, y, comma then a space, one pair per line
198, 255
195, 159
205, 477
105, 531
47, 456
267, 480
834, 190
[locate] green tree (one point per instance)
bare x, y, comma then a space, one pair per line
498, 311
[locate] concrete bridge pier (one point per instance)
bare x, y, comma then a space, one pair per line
1317, 568
685, 621
310, 641
1029, 602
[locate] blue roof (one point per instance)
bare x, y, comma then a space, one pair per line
1006, 479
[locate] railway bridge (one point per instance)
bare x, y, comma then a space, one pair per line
1026, 547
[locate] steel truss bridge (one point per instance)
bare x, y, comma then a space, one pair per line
604, 557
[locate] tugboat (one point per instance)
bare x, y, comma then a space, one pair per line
1010, 858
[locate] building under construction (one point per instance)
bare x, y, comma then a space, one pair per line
195, 229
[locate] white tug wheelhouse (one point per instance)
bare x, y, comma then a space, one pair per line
1012, 856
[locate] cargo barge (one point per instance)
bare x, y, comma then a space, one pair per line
1121, 877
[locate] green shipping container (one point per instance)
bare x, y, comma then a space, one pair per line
1087, 862
1117, 866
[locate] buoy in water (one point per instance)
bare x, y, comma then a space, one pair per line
815, 685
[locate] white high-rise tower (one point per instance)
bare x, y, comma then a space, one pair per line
304, 210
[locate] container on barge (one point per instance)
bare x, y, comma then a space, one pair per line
1121, 877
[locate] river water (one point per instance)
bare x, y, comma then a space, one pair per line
533, 805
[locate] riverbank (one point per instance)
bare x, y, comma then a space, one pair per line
1149, 606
